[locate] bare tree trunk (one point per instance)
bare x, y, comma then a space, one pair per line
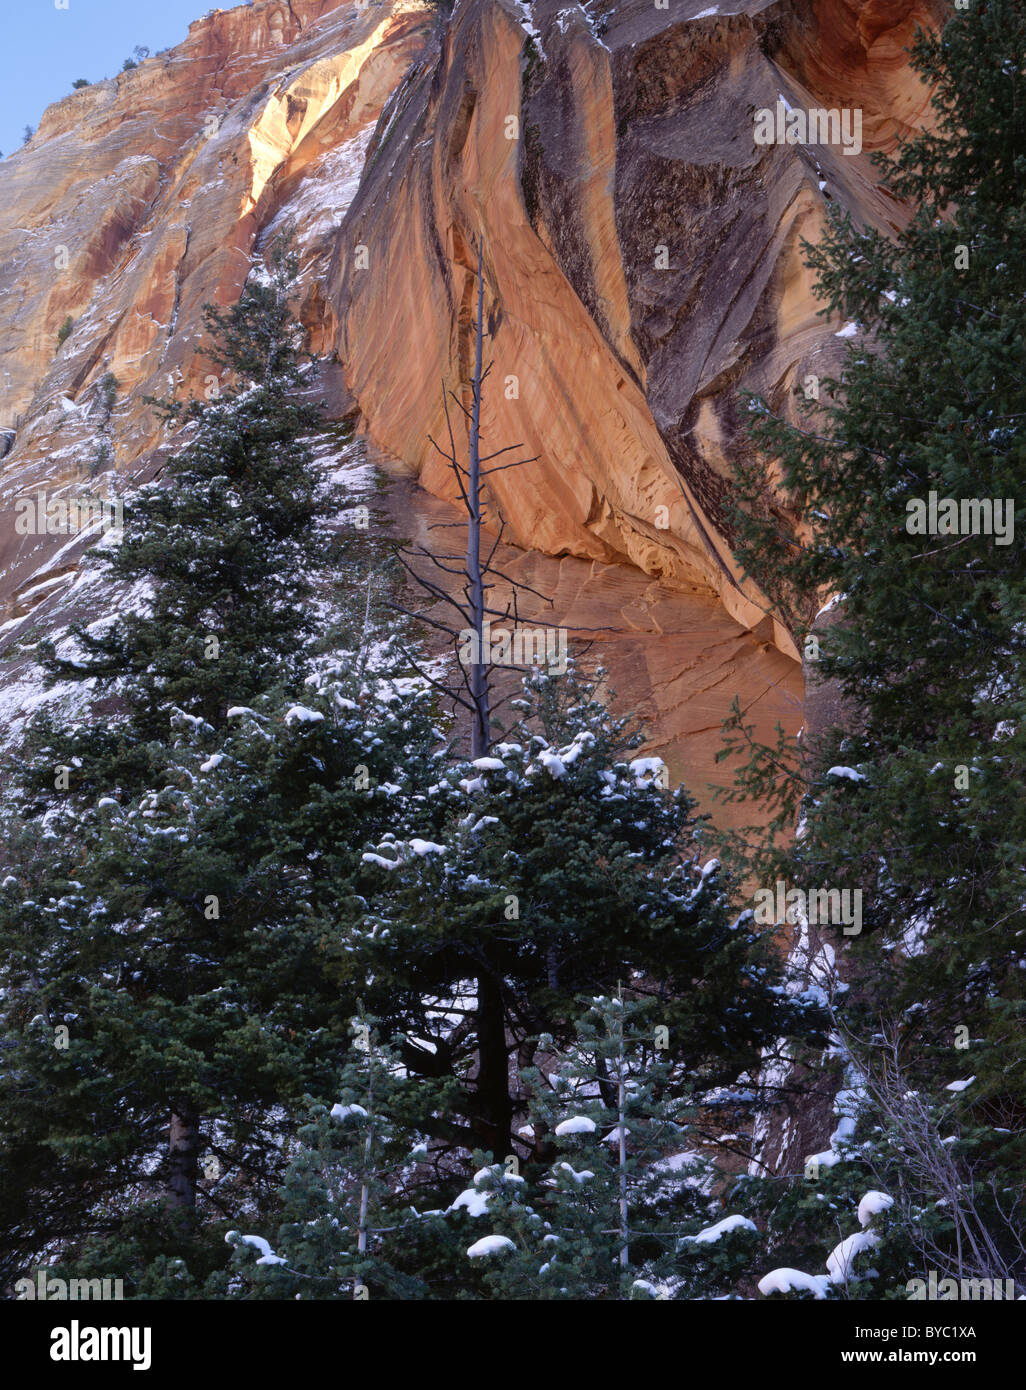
479, 732
476, 571
183, 1160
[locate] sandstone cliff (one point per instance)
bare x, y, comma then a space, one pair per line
642, 264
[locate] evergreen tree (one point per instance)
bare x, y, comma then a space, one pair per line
625, 1193
188, 977
221, 555
620, 1210
180, 884
907, 485
347, 1222
554, 867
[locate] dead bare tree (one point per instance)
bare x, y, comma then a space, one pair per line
986, 1244
479, 576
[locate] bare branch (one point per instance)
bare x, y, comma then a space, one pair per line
518, 463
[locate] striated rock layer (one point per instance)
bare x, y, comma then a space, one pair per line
642, 266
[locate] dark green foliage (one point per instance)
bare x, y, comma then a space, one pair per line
194, 956
562, 868
347, 1225
928, 648
178, 893
614, 1212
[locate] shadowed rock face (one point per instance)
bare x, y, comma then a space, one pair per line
641, 261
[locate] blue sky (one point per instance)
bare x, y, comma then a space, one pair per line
47, 48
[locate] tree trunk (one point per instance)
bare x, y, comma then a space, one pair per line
479, 732
183, 1160
493, 1067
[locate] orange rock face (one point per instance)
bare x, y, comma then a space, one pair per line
642, 266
